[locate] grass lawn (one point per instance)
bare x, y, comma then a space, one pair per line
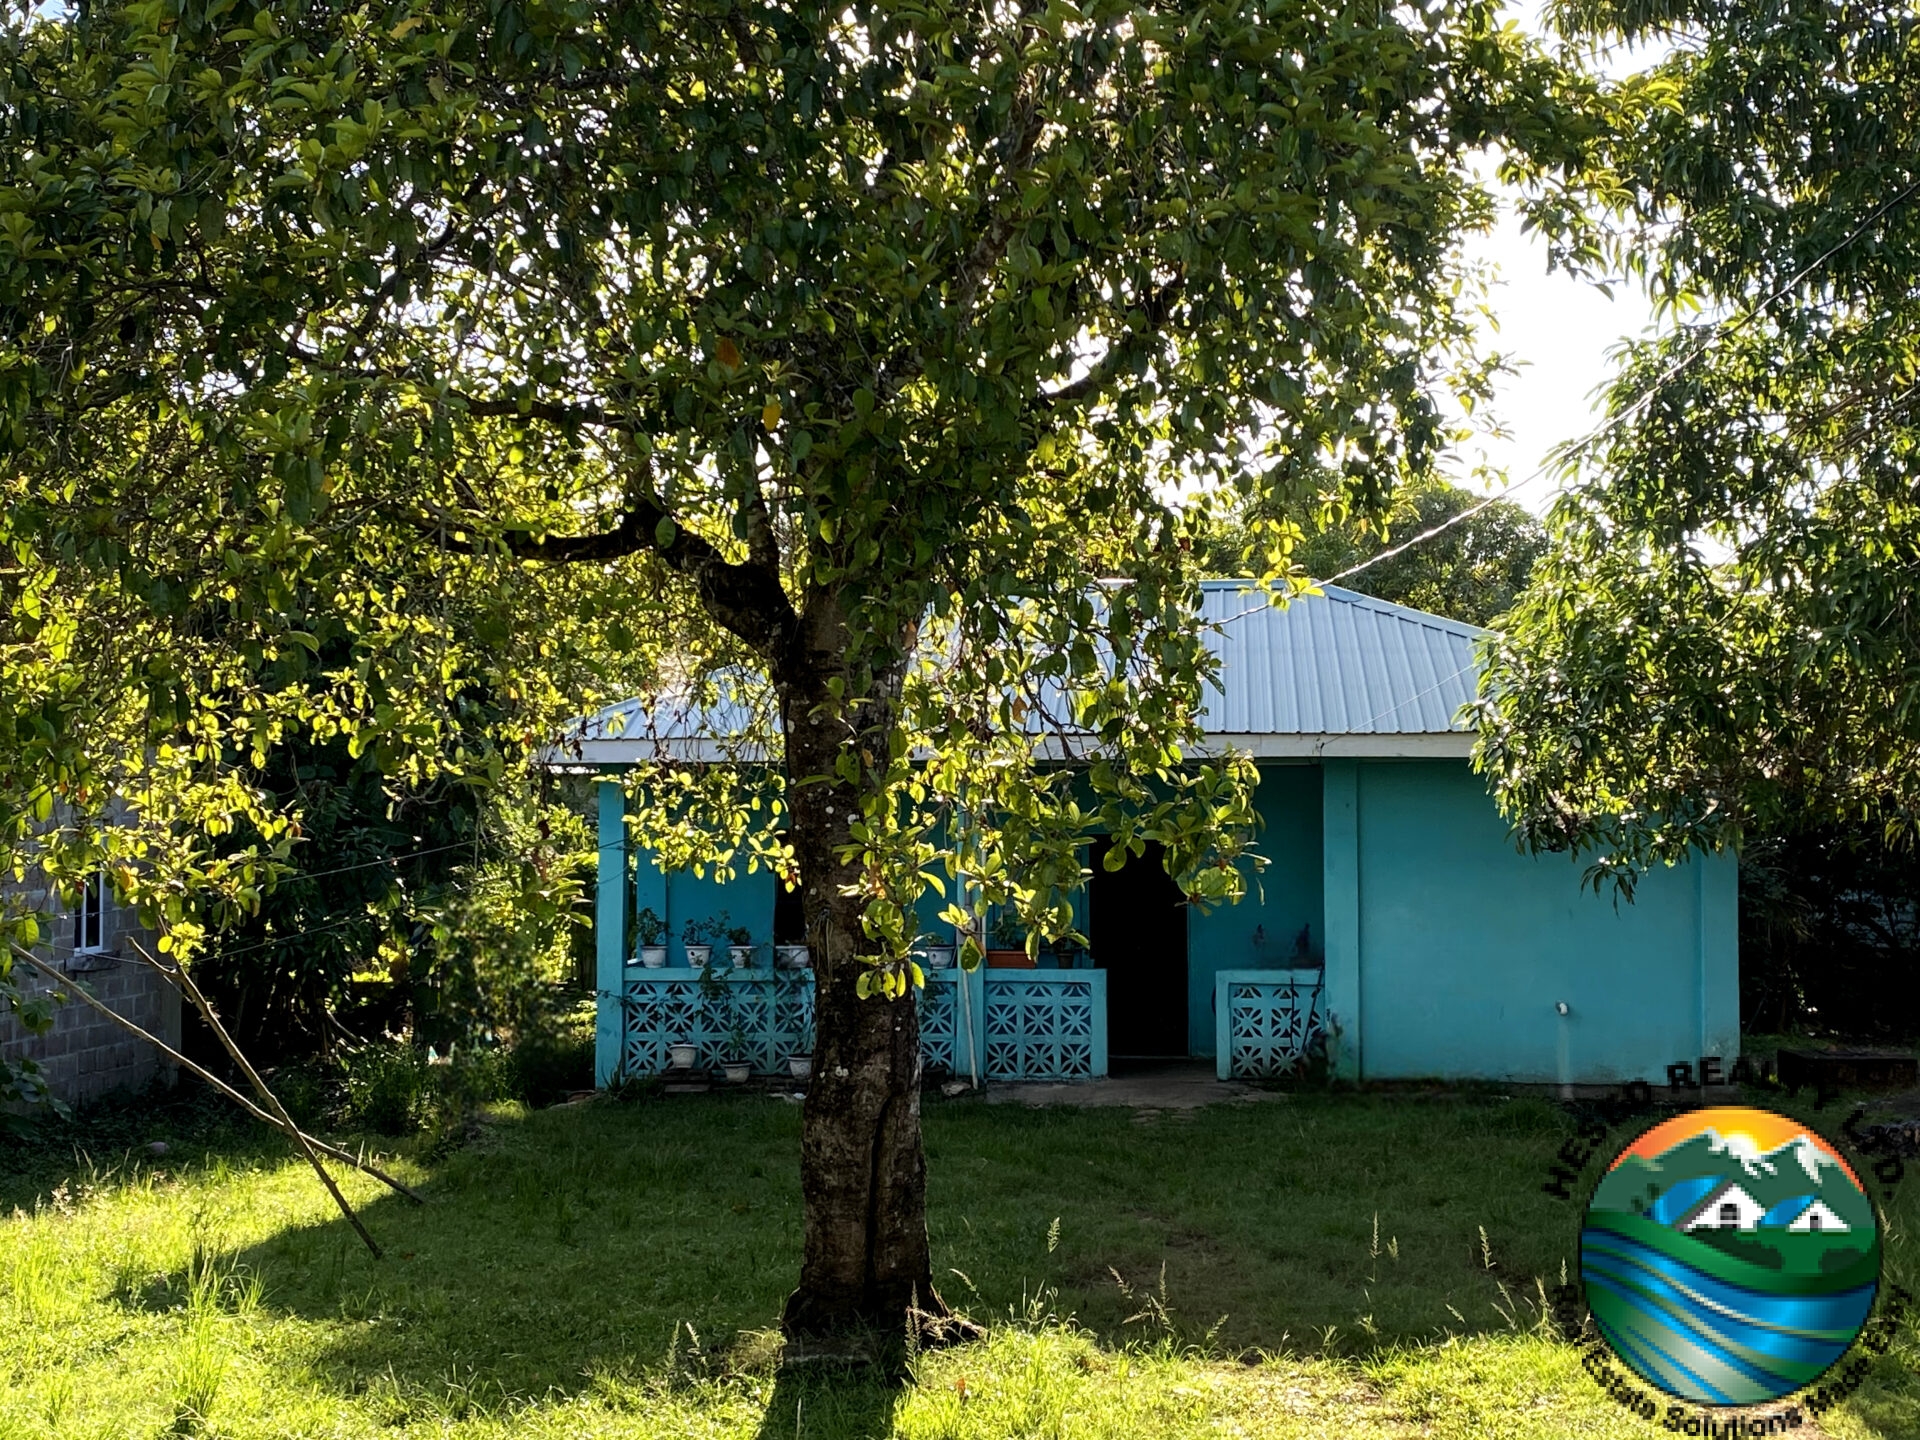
1308, 1266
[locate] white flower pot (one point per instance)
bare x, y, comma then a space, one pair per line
737, 1072
698, 956
800, 1066
939, 957
791, 957
682, 1056
654, 957
742, 955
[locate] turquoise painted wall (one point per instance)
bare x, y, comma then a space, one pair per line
681, 895
1446, 950
747, 899
1464, 946
1284, 897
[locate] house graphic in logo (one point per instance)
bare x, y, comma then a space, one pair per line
1728, 1206
1730, 1256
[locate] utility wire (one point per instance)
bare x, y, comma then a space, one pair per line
1647, 396
454, 886
369, 864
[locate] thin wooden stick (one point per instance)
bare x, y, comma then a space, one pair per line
345, 1157
192, 991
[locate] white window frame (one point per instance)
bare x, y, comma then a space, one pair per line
91, 904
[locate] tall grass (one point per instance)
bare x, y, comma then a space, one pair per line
1308, 1267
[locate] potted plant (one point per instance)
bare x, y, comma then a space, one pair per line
698, 938
939, 955
1006, 948
740, 946
791, 957
682, 1054
734, 1062
1066, 951
800, 1067
650, 938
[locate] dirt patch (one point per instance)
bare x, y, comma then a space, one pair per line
1175, 1088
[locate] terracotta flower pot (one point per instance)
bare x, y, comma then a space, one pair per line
1009, 960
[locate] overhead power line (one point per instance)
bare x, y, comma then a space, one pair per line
1646, 398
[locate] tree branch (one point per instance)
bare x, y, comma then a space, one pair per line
551, 411
762, 546
747, 599
1026, 120
215, 1081
1157, 310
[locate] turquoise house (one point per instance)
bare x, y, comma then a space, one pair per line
1396, 928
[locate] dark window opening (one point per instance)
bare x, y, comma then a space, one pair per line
89, 916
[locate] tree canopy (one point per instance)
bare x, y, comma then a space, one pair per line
527, 353
1723, 634
1471, 568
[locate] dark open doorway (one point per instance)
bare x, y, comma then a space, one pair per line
789, 915
1137, 930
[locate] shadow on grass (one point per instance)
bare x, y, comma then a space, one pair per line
108, 1143
621, 1238
828, 1402
660, 1238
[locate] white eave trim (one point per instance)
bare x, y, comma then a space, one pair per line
1442, 745
1434, 745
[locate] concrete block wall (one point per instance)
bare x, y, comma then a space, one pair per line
85, 1055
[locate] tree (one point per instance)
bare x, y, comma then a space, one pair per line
1722, 639
1470, 571
845, 346
280, 975
1829, 934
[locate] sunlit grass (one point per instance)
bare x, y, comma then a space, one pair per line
1309, 1266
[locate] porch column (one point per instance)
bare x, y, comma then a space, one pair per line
610, 931
1340, 845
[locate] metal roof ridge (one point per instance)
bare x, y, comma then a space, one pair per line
1360, 600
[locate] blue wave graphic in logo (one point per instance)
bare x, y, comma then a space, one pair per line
1708, 1340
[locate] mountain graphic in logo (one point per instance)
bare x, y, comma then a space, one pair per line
1730, 1256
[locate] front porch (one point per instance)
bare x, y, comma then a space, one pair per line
980, 1025
983, 1025
1239, 988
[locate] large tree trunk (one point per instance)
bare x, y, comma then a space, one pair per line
863, 1172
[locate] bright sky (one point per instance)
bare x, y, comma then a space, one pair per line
1559, 331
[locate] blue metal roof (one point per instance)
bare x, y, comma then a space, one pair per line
1338, 673
1337, 663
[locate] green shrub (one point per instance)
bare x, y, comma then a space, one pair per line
398, 1089
306, 1091
385, 1088
547, 1068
